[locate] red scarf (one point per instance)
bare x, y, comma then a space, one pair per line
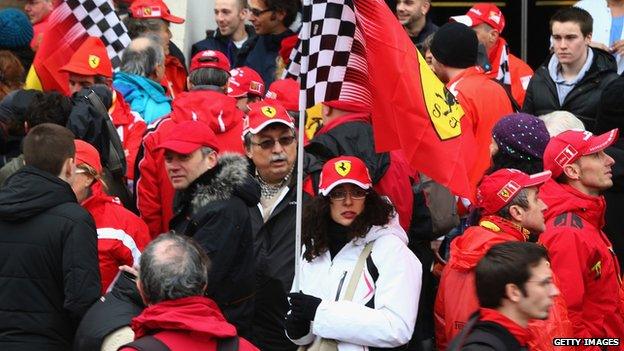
521, 334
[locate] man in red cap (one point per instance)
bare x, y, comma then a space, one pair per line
154, 16
271, 145
206, 102
246, 86
347, 131
213, 194
510, 211
581, 255
90, 65
488, 22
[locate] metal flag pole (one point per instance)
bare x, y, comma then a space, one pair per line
299, 210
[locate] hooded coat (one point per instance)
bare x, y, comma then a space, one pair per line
48, 262
457, 298
214, 211
582, 256
189, 323
144, 95
154, 192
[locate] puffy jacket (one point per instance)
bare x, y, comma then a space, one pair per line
352, 135
581, 255
582, 101
383, 311
214, 211
189, 323
484, 103
113, 311
216, 41
457, 299
262, 57
130, 127
121, 234
48, 262
519, 72
274, 251
144, 95
154, 192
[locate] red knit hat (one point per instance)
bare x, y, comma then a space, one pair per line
344, 170
90, 59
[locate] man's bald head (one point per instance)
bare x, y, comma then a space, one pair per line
143, 57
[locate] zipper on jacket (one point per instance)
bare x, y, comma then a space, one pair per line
344, 275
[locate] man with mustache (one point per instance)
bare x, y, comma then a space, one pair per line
271, 145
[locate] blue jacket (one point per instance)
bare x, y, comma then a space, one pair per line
144, 95
218, 42
262, 57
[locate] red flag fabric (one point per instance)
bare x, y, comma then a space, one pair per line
412, 109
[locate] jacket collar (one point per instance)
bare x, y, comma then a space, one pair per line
351, 117
499, 224
490, 315
562, 198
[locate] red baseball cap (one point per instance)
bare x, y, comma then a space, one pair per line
243, 81
87, 154
263, 113
343, 170
351, 106
210, 59
570, 145
497, 189
286, 91
153, 9
189, 136
90, 59
482, 12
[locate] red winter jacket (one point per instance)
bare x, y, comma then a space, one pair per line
154, 192
457, 298
121, 234
582, 257
130, 127
190, 323
175, 76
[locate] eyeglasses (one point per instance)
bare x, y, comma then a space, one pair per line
258, 12
270, 143
340, 195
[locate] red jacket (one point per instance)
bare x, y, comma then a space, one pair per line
154, 191
121, 234
175, 76
457, 299
581, 255
130, 127
484, 103
519, 72
189, 323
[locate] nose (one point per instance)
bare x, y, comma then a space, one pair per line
277, 148
610, 160
554, 290
543, 206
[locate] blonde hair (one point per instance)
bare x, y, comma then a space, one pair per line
92, 173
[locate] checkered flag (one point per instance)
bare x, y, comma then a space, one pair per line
329, 58
98, 18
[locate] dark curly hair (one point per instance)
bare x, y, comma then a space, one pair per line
316, 219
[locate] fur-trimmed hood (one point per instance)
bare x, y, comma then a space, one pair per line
230, 178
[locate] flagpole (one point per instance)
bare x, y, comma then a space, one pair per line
299, 210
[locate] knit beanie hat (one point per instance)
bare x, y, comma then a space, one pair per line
455, 45
15, 29
521, 136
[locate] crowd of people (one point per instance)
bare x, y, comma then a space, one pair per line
154, 208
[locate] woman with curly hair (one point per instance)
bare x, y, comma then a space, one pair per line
359, 284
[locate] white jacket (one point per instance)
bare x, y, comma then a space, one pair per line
393, 296
601, 14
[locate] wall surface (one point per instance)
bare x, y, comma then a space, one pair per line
199, 15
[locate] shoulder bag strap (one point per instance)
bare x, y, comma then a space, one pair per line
357, 271
147, 343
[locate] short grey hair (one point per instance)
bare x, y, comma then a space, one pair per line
143, 60
173, 267
139, 26
559, 121
209, 76
205, 150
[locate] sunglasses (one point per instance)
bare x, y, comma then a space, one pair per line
258, 12
340, 195
270, 143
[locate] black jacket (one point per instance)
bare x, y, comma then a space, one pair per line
478, 335
215, 41
214, 211
274, 250
113, 311
262, 58
49, 274
584, 99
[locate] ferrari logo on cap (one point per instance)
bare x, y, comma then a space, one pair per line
343, 167
508, 191
147, 11
444, 110
269, 111
94, 61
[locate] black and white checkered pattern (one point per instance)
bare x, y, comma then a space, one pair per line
99, 19
329, 58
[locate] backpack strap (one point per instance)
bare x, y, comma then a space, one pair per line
228, 344
479, 337
147, 343
460, 339
357, 271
